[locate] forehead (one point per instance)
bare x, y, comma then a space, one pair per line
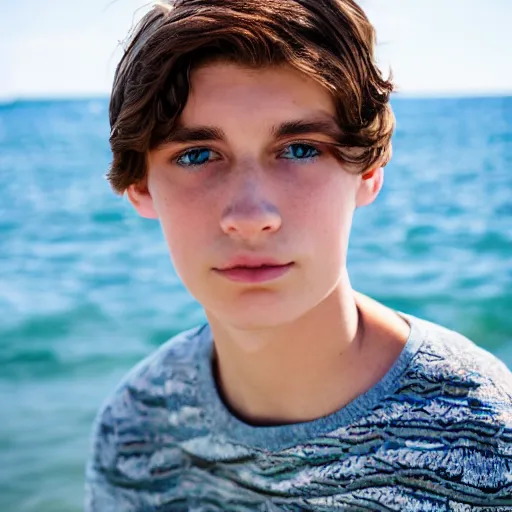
222, 89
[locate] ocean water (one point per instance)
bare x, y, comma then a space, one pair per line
87, 288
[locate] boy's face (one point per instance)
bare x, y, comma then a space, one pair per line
244, 190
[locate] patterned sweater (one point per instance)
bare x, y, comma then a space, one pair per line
434, 434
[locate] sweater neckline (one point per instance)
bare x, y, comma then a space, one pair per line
227, 427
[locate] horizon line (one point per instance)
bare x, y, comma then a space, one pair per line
419, 94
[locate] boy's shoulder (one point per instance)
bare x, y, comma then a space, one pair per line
151, 398
136, 429
451, 360
451, 381
448, 415
168, 370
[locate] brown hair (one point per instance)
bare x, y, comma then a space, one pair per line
331, 41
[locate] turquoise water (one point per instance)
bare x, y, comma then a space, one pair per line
87, 288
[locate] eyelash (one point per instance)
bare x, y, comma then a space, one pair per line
306, 145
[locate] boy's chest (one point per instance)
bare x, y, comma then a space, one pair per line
391, 478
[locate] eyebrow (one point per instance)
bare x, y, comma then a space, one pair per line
325, 126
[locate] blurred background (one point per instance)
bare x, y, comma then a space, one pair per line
87, 288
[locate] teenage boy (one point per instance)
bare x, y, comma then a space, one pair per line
252, 130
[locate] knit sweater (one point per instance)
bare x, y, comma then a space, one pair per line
434, 434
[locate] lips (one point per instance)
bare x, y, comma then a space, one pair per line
248, 269
252, 262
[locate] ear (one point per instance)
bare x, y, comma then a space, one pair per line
141, 199
369, 186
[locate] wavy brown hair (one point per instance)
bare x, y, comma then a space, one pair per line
331, 41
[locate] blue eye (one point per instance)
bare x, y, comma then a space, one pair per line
300, 151
194, 157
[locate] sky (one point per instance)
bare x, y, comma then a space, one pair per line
66, 48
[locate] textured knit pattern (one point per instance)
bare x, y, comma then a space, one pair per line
435, 434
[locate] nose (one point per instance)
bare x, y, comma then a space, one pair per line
249, 217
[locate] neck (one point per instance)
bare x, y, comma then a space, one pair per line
294, 372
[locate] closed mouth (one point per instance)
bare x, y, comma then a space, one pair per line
256, 267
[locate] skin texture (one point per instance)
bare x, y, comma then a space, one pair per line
303, 345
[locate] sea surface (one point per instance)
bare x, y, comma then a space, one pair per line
87, 288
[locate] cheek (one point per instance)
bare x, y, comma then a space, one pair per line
185, 243
178, 206
325, 203
186, 218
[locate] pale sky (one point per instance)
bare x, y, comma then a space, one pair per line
68, 48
